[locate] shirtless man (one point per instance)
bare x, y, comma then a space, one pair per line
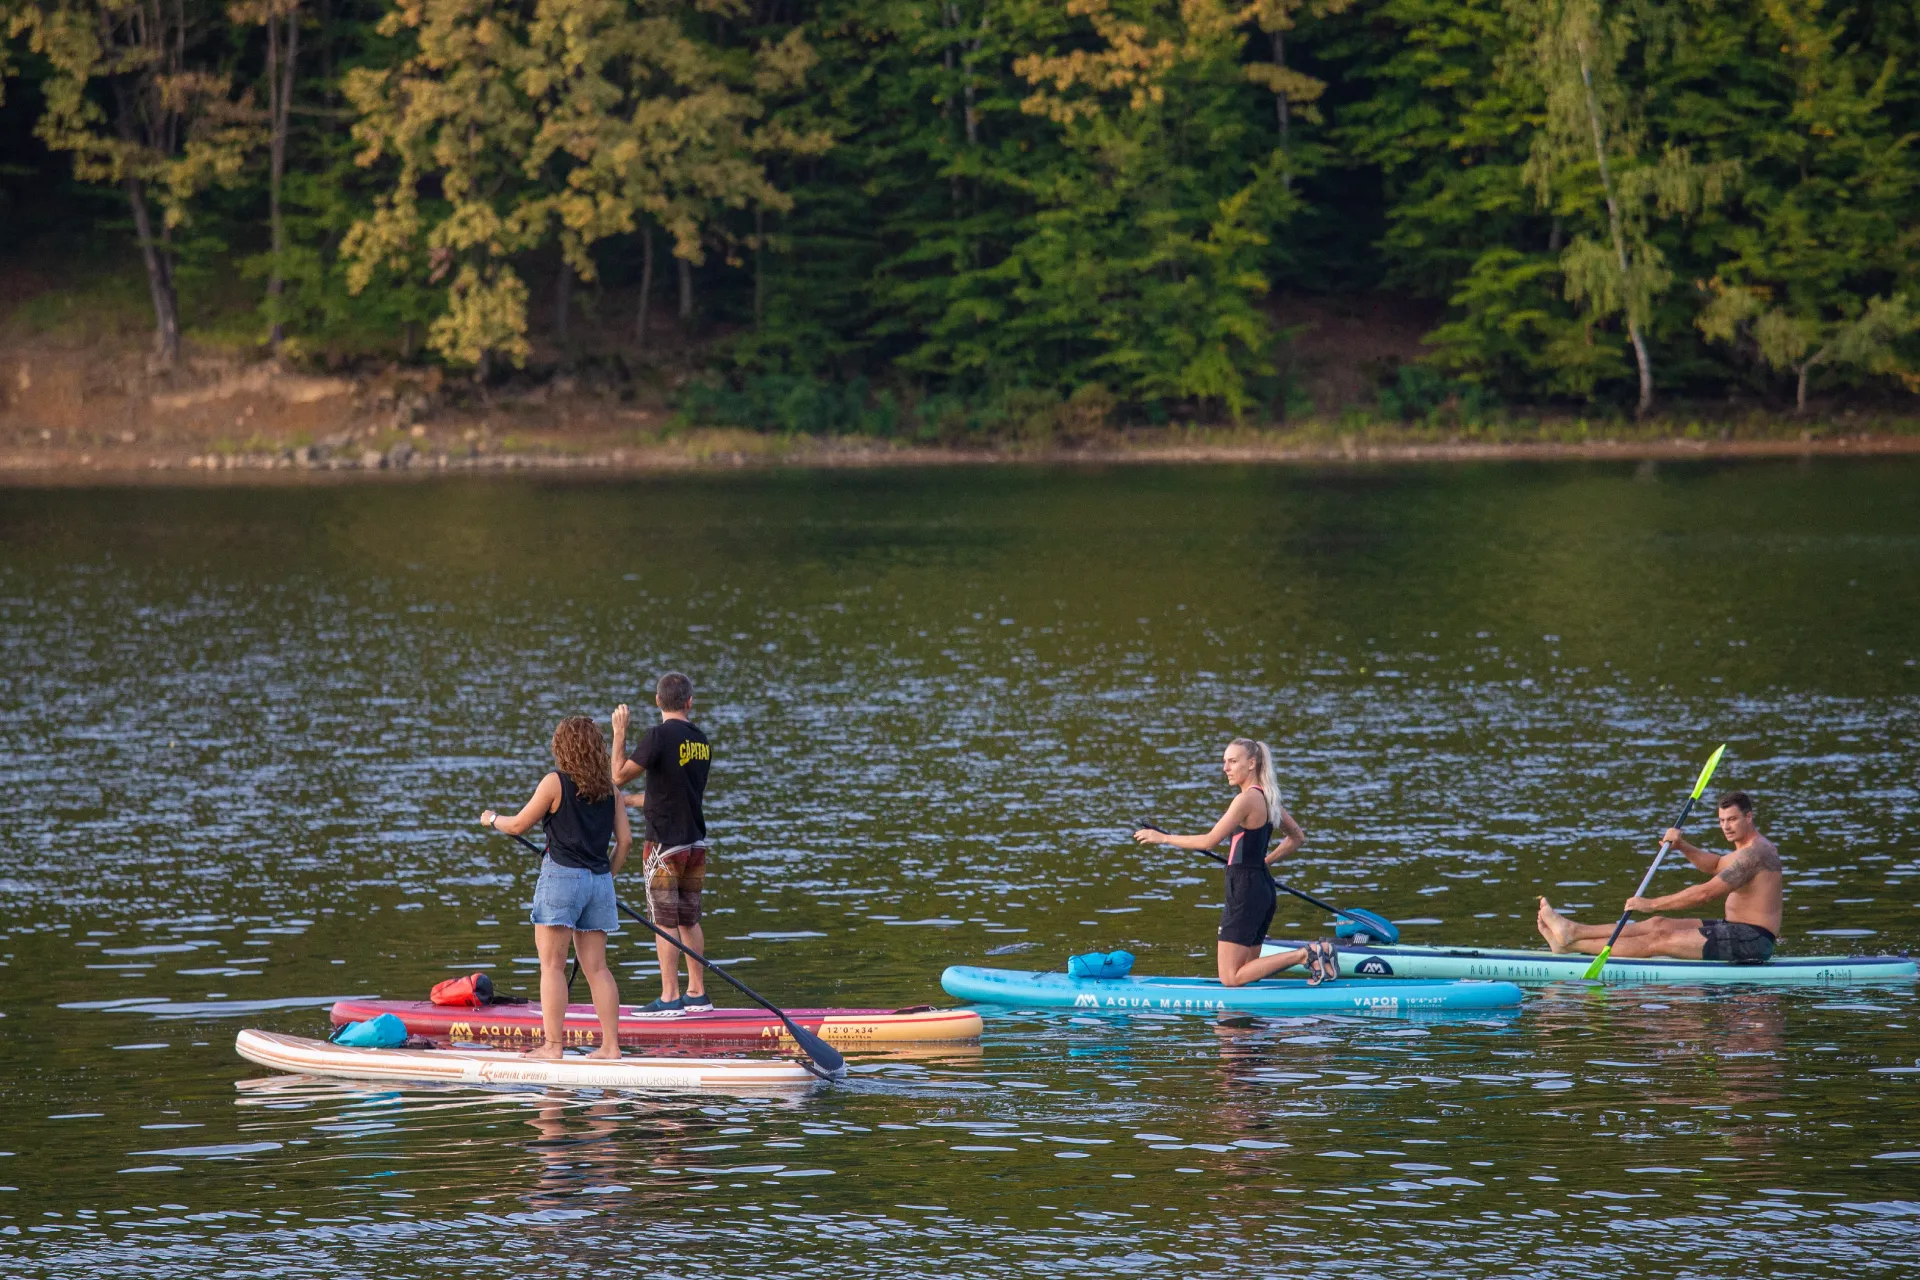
1748, 878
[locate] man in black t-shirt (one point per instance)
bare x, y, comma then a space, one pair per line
675, 757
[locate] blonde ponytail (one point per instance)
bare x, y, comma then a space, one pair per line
1264, 775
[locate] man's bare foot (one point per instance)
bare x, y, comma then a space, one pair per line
607, 1052
546, 1051
1555, 928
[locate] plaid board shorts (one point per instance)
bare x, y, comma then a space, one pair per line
674, 883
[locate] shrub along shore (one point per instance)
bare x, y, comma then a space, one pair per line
60, 424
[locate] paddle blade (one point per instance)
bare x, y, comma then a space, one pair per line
1706, 772
1358, 921
824, 1055
1599, 963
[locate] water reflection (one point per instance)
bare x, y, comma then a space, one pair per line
1482, 680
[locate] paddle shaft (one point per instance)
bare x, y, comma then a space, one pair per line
1685, 810
825, 1055
1284, 888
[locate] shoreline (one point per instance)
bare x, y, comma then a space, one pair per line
92, 415
722, 451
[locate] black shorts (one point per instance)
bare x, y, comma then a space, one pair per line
1249, 909
1734, 942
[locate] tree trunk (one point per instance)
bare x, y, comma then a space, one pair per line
972, 114
759, 265
646, 287
157, 253
686, 289
1619, 245
562, 300
282, 57
1282, 111
159, 260
1646, 368
1806, 374
331, 93
948, 19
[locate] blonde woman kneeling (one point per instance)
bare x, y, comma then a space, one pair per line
1250, 821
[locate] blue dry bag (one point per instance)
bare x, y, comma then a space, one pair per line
1101, 964
383, 1032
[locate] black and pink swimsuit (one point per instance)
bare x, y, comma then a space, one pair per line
1250, 894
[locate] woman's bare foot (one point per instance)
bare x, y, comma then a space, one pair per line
607, 1052
546, 1050
1555, 928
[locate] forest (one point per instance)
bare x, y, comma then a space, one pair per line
867, 215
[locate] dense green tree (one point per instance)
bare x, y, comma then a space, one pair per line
1451, 108
980, 200
141, 95
1818, 268
1145, 251
1059, 198
1591, 158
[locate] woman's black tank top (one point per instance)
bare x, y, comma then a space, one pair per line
1250, 844
579, 831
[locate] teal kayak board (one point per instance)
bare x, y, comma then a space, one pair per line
1403, 961
1028, 990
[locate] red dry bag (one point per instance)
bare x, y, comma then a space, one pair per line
471, 992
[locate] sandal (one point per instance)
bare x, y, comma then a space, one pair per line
1323, 963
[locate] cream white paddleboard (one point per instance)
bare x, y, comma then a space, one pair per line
479, 1066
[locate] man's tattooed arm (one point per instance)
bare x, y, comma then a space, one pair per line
1739, 870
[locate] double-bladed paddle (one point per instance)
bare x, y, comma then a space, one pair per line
827, 1062
1377, 926
1706, 773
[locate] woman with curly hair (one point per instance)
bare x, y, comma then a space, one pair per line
573, 901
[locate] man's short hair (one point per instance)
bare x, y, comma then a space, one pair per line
1736, 800
674, 692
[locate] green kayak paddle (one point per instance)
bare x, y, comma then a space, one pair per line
1600, 961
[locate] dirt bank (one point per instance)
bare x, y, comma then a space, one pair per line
78, 416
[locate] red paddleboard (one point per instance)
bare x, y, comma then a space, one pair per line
517, 1026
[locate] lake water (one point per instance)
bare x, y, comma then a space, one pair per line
247, 733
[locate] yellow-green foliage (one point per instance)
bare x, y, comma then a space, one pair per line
568, 120
197, 131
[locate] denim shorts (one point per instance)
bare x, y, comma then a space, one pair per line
574, 898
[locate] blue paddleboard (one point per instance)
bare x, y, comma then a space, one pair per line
1028, 990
